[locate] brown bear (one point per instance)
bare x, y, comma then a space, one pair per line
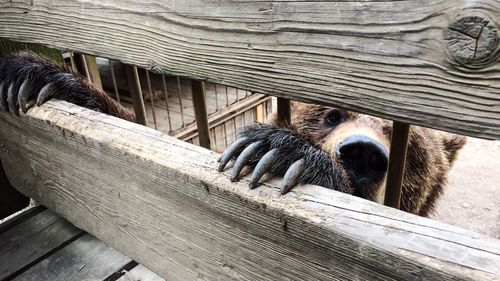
326, 146
345, 151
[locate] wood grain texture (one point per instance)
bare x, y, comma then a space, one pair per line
32, 239
85, 259
160, 201
387, 58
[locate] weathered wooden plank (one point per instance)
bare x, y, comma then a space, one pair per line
160, 201
140, 273
31, 240
20, 216
411, 61
86, 258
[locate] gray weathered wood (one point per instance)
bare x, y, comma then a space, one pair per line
387, 58
20, 216
86, 258
160, 201
32, 239
140, 273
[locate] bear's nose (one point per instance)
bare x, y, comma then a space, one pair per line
363, 157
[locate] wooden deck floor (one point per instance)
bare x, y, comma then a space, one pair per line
40, 245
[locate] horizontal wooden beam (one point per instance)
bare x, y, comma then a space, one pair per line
161, 201
418, 62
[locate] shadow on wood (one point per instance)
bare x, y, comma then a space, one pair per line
11, 200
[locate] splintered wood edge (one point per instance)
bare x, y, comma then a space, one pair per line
389, 238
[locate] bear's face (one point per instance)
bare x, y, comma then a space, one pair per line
360, 144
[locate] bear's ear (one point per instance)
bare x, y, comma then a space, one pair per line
452, 144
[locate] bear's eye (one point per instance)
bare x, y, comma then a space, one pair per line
334, 117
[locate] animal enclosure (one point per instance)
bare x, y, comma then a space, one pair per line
414, 62
168, 103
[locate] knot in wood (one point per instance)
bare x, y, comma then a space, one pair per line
472, 40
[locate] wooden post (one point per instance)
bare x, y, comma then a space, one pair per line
259, 112
93, 70
397, 160
87, 66
136, 93
284, 112
200, 111
81, 65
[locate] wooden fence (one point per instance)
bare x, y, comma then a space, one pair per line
418, 62
159, 200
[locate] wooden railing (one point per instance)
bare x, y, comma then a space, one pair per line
425, 63
160, 201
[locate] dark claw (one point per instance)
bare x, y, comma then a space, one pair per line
44, 94
292, 175
229, 153
11, 100
3, 99
263, 166
243, 158
23, 96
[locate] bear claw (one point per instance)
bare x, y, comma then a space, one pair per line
263, 167
11, 100
23, 96
276, 151
3, 100
243, 158
229, 153
292, 175
45, 94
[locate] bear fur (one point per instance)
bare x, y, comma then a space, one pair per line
26, 79
430, 153
313, 138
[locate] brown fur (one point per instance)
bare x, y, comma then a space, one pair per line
72, 87
110, 106
430, 153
